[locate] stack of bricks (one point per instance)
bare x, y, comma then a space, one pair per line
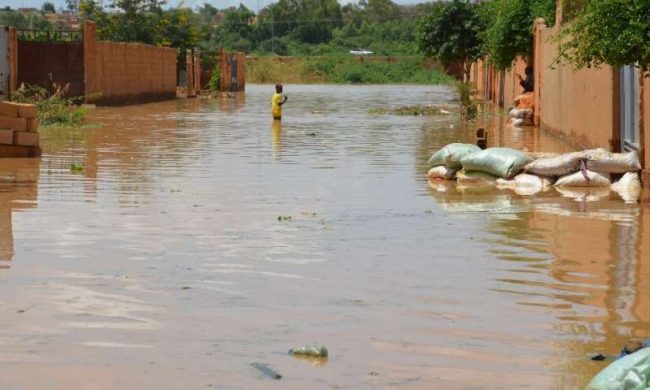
18, 130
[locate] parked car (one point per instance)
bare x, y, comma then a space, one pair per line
360, 52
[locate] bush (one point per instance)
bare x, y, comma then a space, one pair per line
468, 104
215, 79
54, 109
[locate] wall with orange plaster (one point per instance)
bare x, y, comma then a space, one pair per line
123, 73
582, 105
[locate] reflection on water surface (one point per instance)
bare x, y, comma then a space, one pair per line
165, 264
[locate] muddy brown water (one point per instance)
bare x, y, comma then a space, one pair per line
164, 264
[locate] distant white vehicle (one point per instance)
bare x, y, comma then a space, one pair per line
360, 52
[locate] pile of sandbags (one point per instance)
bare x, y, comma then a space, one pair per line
521, 113
531, 173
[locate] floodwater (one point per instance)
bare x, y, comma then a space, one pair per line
165, 265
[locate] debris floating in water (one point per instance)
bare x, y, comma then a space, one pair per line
267, 371
315, 351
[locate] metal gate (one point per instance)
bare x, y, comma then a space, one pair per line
629, 108
51, 58
4, 63
233, 73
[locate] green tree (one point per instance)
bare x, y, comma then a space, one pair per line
48, 8
614, 32
509, 31
452, 33
29, 21
176, 28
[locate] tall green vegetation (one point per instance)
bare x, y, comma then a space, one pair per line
614, 32
25, 21
54, 108
344, 70
509, 28
452, 33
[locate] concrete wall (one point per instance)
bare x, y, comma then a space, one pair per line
581, 105
645, 129
123, 73
225, 60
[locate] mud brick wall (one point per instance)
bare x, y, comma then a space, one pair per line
18, 130
123, 73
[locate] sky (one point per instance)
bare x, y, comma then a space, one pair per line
252, 4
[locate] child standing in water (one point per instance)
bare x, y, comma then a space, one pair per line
277, 100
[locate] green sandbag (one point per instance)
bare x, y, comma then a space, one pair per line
500, 162
451, 155
631, 372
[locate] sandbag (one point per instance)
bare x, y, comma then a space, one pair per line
441, 172
628, 187
631, 372
525, 100
525, 180
451, 155
584, 178
475, 178
525, 184
521, 113
604, 161
500, 162
556, 166
516, 122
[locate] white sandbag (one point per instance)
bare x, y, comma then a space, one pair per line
442, 172
525, 180
500, 162
521, 113
516, 122
525, 184
628, 187
556, 166
631, 372
451, 154
604, 161
584, 179
475, 178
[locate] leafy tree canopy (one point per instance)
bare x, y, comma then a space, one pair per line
452, 33
48, 8
614, 32
509, 31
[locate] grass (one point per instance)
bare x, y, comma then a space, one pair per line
344, 70
76, 168
54, 109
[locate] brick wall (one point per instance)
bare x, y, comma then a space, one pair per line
123, 73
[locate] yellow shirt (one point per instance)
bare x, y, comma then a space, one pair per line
276, 108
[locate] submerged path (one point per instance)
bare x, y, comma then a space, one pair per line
200, 239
